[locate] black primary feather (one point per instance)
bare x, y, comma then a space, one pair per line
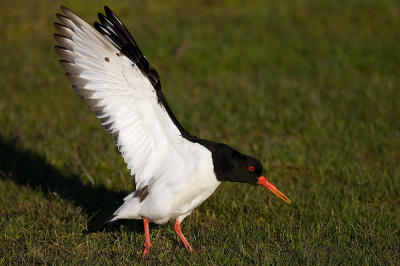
114, 30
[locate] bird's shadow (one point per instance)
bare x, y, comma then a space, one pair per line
29, 169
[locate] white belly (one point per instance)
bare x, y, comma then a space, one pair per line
197, 190
199, 186
169, 200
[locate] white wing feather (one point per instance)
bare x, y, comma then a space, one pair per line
123, 99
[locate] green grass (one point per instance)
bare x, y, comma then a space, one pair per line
312, 88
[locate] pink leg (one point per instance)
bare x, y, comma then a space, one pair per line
147, 244
178, 230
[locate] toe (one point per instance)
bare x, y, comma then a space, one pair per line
146, 253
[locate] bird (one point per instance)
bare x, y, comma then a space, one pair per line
174, 170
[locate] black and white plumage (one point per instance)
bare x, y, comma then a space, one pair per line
174, 170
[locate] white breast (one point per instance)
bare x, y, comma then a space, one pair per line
199, 186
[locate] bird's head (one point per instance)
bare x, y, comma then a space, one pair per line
231, 165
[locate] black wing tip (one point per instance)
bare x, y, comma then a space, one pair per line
61, 16
97, 26
64, 61
107, 9
57, 35
57, 24
112, 28
58, 47
109, 12
106, 222
65, 9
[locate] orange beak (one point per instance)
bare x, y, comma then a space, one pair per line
264, 182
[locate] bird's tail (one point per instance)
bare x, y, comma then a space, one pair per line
110, 219
128, 210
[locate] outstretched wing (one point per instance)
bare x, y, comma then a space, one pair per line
110, 73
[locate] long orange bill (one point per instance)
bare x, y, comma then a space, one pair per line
264, 182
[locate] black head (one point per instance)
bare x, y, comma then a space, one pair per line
231, 165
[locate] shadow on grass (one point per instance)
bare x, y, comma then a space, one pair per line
27, 168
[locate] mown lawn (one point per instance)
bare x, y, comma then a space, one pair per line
311, 87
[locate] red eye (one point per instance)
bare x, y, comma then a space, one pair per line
251, 168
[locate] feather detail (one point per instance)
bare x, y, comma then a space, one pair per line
108, 70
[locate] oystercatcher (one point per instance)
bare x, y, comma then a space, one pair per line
174, 170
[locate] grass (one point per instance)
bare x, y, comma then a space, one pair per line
309, 87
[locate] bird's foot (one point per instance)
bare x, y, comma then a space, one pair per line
190, 249
146, 252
